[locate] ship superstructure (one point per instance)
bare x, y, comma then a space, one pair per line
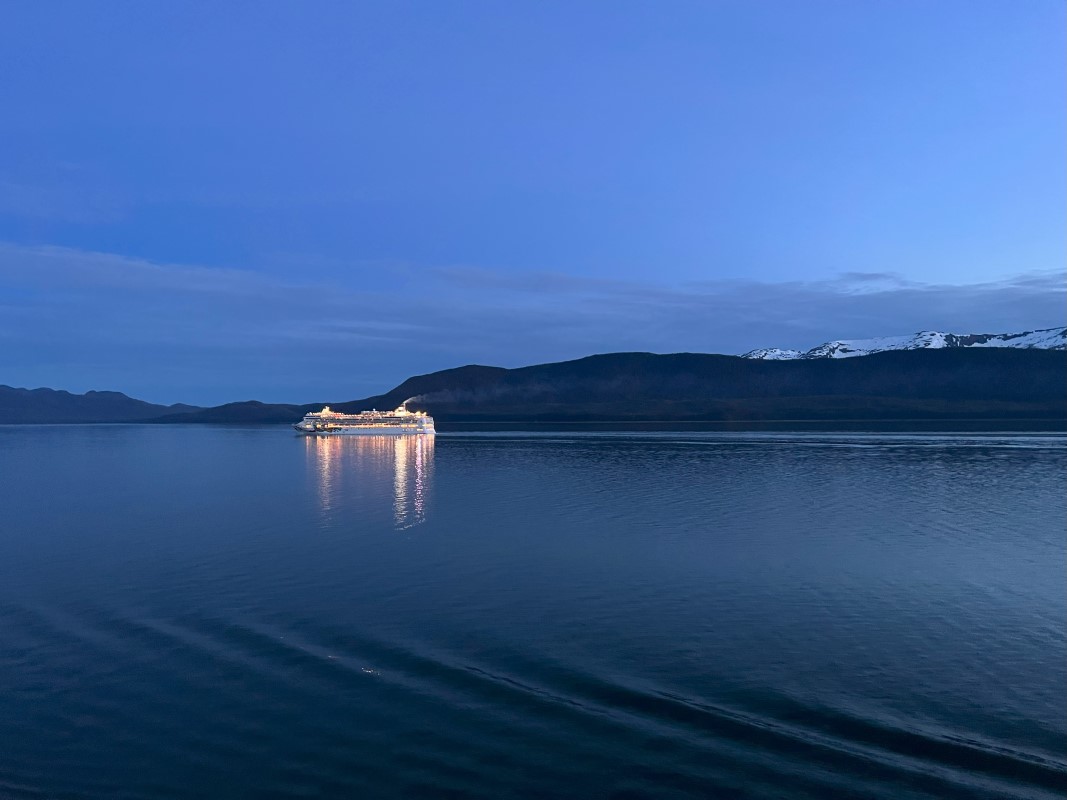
366, 423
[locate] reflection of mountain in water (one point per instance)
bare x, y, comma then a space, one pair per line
372, 469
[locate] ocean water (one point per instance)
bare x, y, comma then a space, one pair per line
195, 611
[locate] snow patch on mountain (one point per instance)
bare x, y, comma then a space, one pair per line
774, 354
1048, 339
1044, 339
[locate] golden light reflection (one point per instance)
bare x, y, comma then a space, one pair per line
363, 471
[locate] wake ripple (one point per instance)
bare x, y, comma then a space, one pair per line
475, 705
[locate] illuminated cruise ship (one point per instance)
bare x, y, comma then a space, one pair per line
366, 423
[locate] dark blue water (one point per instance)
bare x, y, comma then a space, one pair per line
243, 613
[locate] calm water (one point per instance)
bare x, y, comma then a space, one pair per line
222, 612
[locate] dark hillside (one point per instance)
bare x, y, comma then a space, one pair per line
911, 384
247, 412
689, 385
52, 405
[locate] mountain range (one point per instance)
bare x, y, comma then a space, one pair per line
52, 405
1043, 339
925, 376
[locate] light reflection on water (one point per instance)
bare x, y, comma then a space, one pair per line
339, 464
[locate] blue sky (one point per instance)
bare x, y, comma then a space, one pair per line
205, 202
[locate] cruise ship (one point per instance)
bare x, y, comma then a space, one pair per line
400, 422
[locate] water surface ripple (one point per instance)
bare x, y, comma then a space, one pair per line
238, 612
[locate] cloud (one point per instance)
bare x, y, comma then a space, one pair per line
168, 332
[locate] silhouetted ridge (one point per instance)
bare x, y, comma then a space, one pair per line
948, 383
939, 384
698, 386
54, 405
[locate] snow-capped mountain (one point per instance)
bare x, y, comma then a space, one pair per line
1045, 339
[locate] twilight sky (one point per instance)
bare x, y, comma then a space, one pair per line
205, 202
